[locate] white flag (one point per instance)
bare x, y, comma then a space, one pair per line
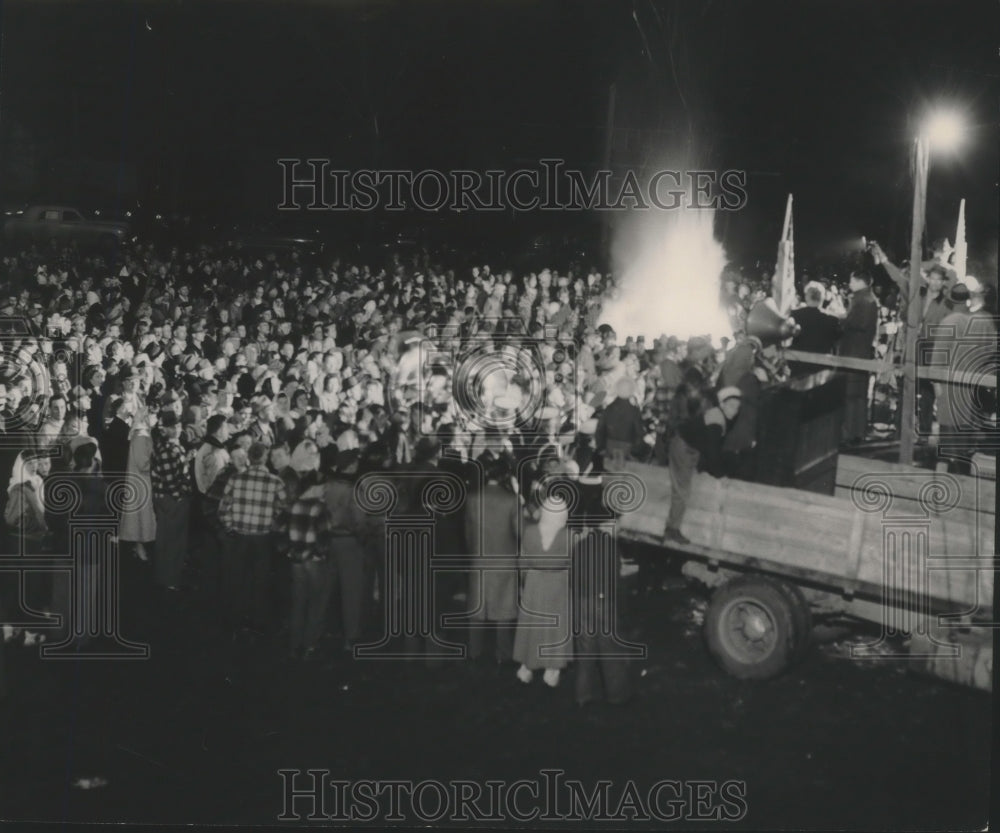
961, 247
783, 282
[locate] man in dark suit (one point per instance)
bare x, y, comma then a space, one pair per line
114, 441
418, 586
819, 330
857, 341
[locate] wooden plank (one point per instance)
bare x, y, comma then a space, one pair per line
739, 560
654, 477
790, 534
959, 579
855, 551
868, 589
719, 514
952, 531
977, 494
758, 534
822, 517
953, 537
863, 465
818, 562
790, 551
970, 516
935, 374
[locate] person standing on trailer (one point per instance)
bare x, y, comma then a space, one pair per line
697, 445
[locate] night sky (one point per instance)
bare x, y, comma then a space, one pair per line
817, 98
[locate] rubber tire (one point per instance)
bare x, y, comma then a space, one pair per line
801, 618
769, 595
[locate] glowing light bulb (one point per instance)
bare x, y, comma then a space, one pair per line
944, 130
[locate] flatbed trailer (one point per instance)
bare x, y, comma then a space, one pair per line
911, 550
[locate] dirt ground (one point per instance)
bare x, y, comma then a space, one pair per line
197, 733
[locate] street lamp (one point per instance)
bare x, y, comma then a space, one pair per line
943, 130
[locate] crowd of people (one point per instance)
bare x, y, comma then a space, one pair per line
248, 393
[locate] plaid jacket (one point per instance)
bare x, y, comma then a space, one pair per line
253, 501
308, 523
169, 472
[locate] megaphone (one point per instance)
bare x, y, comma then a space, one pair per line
765, 322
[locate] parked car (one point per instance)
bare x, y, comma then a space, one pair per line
44, 223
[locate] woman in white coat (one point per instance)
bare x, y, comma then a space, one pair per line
138, 521
543, 638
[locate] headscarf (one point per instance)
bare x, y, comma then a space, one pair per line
20, 476
305, 457
625, 387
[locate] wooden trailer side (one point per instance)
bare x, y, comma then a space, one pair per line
939, 558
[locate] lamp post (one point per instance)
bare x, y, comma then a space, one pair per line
942, 131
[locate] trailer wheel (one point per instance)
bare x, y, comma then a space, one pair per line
750, 628
801, 619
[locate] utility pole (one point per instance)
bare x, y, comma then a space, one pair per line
913, 306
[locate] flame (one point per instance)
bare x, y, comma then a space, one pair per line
669, 266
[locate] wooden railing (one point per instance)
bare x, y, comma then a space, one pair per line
934, 374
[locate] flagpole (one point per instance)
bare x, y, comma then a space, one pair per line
788, 218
